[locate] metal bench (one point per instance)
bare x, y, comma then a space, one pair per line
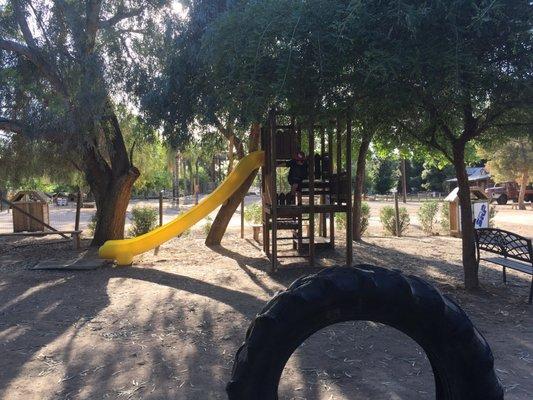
514, 251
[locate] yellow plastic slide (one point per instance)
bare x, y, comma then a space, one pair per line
123, 250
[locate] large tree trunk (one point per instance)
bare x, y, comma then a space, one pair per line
359, 185
111, 184
220, 224
524, 180
470, 264
111, 203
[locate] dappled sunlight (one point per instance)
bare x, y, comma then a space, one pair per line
31, 292
171, 328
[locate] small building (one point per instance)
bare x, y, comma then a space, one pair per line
477, 176
34, 203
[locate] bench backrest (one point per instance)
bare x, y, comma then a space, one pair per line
505, 243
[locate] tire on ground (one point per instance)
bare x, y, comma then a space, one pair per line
461, 359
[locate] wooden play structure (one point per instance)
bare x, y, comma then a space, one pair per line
325, 193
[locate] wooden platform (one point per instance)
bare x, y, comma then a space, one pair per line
296, 210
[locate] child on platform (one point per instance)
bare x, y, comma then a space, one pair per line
298, 171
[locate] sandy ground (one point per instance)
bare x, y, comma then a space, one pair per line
169, 327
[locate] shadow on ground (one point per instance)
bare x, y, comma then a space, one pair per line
171, 329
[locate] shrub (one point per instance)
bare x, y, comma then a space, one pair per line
143, 220
427, 214
388, 219
91, 226
365, 217
445, 217
340, 218
492, 214
253, 213
207, 225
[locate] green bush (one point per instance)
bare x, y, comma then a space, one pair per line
91, 226
253, 213
143, 220
427, 214
492, 214
445, 217
388, 219
207, 225
365, 216
340, 218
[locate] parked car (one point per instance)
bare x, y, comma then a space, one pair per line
505, 191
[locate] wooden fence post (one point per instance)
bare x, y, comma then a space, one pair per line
242, 218
397, 213
79, 202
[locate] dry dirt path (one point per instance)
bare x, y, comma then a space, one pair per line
169, 326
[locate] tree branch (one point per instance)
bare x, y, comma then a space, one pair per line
20, 15
120, 16
36, 59
9, 125
92, 24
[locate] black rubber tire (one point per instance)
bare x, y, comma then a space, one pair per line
502, 199
461, 359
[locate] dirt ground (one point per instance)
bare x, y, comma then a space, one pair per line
169, 326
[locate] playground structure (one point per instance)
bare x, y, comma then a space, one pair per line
329, 181
123, 251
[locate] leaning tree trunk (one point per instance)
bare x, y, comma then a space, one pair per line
524, 180
111, 184
220, 224
230, 154
470, 264
359, 185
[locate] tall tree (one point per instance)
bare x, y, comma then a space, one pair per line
511, 161
458, 71
63, 65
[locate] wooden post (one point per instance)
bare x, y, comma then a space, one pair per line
397, 213
311, 163
298, 199
273, 189
322, 228
178, 180
349, 215
404, 181
339, 160
331, 214
156, 250
161, 208
242, 219
79, 202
